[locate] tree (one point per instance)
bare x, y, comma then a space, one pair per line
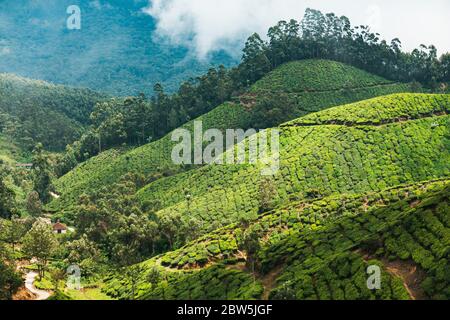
42, 173
133, 273
10, 280
12, 231
249, 242
112, 219
7, 196
170, 225
34, 204
445, 68
40, 243
173, 119
255, 62
57, 275
267, 194
192, 228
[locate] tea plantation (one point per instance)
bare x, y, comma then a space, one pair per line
315, 249
294, 77
301, 87
320, 160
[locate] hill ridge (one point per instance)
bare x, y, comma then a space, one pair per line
370, 123
310, 162
332, 90
228, 115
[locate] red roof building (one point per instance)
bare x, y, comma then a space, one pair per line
59, 228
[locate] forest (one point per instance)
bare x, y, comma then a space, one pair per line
114, 52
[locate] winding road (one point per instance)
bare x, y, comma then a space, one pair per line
40, 294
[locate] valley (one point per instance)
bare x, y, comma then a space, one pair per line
94, 205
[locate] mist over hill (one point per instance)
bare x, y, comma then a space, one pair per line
114, 51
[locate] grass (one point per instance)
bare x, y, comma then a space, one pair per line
87, 294
45, 283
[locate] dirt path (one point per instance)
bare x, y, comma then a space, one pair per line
411, 276
29, 280
269, 281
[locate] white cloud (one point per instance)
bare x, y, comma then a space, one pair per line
209, 25
5, 51
99, 5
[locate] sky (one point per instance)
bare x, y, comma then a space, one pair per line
210, 25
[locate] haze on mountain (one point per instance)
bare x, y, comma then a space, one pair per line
114, 51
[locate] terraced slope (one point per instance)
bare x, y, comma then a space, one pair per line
318, 159
316, 249
287, 79
299, 85
47, 113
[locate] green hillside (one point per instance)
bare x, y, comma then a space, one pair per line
359, 185
287, 78
315, 249
33, 111
319, 160
292, 91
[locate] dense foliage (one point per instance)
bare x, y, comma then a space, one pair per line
10, 280
344, 152
361, 183
136, 121
319, 160
324, 246
7, 195
116, 51
261, 107
328, 36
34, 112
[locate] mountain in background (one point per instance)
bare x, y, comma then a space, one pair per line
34, 111
115, 50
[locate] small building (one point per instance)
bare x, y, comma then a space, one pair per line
59, 228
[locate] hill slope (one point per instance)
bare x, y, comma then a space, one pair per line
36, 111
292, 91
345, 151
316, 249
